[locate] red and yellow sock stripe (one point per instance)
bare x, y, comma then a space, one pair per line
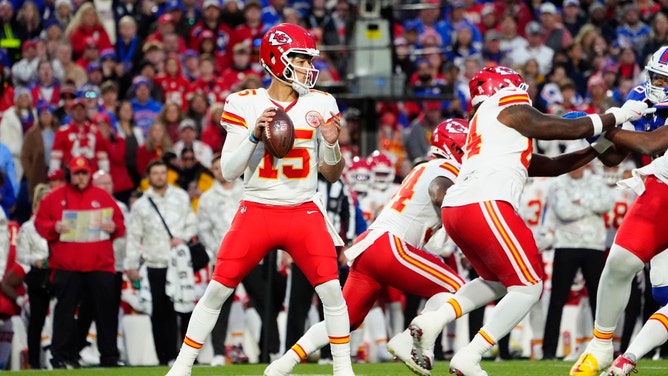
603, 336
339, 340
192, 343
299, 351
486, 337
660, 318
456, 307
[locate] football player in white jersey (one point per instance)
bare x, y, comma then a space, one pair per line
480, 210
280, 208
390, 252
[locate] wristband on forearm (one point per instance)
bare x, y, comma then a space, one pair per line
601, 144
597, 123
331, 153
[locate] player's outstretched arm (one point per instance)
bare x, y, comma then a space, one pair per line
532, 123
647, 143
542, 165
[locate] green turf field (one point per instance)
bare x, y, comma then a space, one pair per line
508, 368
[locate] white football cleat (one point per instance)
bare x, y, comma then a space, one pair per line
179, 370
218, 361
466, 363
424, 334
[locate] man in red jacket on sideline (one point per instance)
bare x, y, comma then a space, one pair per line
80, 221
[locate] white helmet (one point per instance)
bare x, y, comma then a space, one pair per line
657, 64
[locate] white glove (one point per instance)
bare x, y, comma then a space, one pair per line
627, 126
630, 111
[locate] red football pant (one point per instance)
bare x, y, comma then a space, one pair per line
496, 241
391, 262
641, 231
258, 229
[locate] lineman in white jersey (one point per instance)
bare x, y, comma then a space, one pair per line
390, 252
481, 214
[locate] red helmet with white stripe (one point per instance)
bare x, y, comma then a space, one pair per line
449, 138
489, 80
382, 168
282, 40
359, 175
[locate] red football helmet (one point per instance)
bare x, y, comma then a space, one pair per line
382, 168
359, 175
489, 80
280, 41
448, 139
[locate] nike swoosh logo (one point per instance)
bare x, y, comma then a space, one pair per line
312, 211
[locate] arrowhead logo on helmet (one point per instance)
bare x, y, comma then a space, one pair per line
278, 38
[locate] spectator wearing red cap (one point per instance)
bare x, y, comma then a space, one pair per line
56, 178
37, 144
210, 20
25, 70
166, 26
116, 147
86, 24
82, 266
78, 138
90, 55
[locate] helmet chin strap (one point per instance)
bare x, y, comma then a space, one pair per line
299, 87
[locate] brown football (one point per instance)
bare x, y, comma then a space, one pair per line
279, 135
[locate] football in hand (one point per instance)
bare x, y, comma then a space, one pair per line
279, 135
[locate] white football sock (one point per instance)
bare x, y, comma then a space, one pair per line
614, 287
653, 334
336, 322
202, 321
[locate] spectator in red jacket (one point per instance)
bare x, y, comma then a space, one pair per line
86, 24
211, 21
172, 81
83, 262
116, 147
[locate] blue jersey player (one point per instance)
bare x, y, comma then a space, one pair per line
654, 91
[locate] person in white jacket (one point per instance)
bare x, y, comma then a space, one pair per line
15, 122
217, 207
575, 206
33, 250
148, 239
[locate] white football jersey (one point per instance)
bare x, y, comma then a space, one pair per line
613, 219
293, 179
533, 201
497, 156
410, 214
378, 199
